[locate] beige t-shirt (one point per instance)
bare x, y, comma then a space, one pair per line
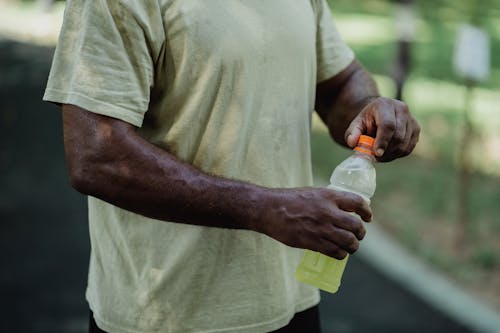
228, 86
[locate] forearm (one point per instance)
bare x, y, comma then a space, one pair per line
339, 101
145, 179
107, 159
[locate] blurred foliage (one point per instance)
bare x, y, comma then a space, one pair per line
437, 25
416, 199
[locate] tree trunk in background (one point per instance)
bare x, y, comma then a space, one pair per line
404, 12
464, 173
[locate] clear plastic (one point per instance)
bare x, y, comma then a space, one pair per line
355, 174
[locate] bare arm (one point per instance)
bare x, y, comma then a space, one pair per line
350, 105
107, 159
340, 99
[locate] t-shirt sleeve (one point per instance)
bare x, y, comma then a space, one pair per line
105, 58
333, 54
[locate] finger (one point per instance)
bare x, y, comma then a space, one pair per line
351, 223
344, 239
351, 202
386, 126
404, 129
398, 147
399, 137
410, 141
414, 139
330, 249
405, 145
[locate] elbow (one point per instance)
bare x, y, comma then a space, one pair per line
93, 176
93, 146
85, 170
81, 179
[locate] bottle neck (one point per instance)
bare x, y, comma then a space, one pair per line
363, 155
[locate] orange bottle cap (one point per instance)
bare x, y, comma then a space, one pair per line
365, 145
366, 140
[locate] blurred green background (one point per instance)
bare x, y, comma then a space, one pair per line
417, 197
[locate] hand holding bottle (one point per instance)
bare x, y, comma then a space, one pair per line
390, 120
326, 221
354, 175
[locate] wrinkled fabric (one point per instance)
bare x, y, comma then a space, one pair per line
227, 86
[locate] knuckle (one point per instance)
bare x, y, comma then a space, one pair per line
324, 217
352, 219
398, 137
402, 107
359, 200
324, 191
342, 196
329, 193
388, 125
340, 193
356, 200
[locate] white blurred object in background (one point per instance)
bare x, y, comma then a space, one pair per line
405, 16
471, 59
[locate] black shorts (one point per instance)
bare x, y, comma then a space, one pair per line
303, 322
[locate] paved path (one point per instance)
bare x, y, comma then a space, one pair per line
44, 243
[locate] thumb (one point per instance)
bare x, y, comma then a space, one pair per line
353, 132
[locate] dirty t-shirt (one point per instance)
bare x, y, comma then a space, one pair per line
227, 86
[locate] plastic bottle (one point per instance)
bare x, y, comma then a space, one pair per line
356, 174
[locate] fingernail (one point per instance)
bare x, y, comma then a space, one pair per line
349, 139
380, 152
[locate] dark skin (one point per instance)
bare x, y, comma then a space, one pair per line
107, 159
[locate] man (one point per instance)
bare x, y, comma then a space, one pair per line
187, 124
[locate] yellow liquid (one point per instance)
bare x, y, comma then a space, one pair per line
321, 271
355, 174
